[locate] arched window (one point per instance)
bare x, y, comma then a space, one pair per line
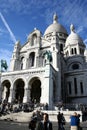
72, 51
31, 59
34, 39
75, 85
81, 87
22, 63
75, 51
75, 66
70, 90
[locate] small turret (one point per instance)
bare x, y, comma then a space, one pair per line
15, 56
72, 28
16, 50
55, 18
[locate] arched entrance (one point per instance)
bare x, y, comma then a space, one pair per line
35, 93
19, 91
5, 90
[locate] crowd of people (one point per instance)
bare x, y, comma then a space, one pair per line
7, 108
40, 120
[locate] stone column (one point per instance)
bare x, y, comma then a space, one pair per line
26, 94
24, 63
4, 92
10, 99
47, 88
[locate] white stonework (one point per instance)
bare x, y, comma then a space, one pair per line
47, 69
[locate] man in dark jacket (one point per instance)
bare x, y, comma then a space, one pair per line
45, 124
59, 118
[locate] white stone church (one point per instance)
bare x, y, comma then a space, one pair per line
48, 69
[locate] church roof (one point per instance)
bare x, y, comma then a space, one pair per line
55, 27
74, 37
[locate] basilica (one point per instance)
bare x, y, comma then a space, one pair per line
48, 68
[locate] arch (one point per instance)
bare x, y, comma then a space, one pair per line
75, 50
72, 52
19, 90
5, 89
74, 66
22, 63
34, 39
31, 59
35, 89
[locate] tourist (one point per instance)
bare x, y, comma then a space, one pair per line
32, 123
45, 124
79, 127
61, 121
74, 121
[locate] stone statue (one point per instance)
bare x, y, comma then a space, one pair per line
3, 65
48, 56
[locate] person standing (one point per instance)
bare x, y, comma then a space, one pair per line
32, 123
63, 122
45, 124
74, 121
79, 127
59, 118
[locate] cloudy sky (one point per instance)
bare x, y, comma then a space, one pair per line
19, 17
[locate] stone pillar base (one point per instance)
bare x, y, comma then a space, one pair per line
25, 100
10, 99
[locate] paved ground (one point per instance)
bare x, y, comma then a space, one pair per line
10, 125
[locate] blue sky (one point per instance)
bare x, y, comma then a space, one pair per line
19, 17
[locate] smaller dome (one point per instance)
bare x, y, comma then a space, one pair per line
74, 38
17, 43
55, 27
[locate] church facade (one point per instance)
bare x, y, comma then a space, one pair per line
48, 68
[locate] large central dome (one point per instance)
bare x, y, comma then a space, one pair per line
55, 27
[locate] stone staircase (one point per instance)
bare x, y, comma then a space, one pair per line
17, 117
25, 116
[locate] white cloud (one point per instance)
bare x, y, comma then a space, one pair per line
23, 6
8, 28
69, 11
2, 31
85, 41
79, 29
